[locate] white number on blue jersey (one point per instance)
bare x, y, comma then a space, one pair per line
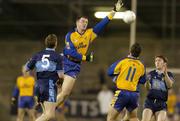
45, 61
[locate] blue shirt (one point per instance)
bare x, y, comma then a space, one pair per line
46, 63
159, 89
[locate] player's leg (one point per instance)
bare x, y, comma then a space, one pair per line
161, 115
48, 111
21, 108
21, 112
132, 105
126, 117
123, 115
112, 114
153, 118
30, 105
67, 87
31, 114
147, 114
118, 103
48, 97
133, 115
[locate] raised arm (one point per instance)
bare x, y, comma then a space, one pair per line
102, 24
168, 77
148, 84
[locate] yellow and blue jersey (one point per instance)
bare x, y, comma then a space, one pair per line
24, 86
128, 72
77, 44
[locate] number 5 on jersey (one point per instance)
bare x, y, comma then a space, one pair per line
45, 61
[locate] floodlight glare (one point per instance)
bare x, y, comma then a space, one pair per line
100, 15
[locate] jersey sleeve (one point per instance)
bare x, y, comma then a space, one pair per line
31, 63
15, 92
99, 27
16, 89
142, 79
70, 49
114, 69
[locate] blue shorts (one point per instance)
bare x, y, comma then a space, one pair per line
46, 90
26, 102
155, 105
125, 99
71, 68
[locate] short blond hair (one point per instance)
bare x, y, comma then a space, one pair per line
51, 40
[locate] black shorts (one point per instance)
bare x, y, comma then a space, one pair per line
155, 105
46, 90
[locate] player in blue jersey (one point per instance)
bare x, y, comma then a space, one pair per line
77, 43
159, 81
48, 67
127, 73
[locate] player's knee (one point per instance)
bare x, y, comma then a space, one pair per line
65, 94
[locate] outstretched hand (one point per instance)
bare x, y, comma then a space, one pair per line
118, 6
165, 68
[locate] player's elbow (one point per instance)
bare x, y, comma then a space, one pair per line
109, 73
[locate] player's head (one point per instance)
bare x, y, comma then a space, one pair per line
51, 41
160, 61
135, 50
82, 23
24, 72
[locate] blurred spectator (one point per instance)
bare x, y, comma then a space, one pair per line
104, 98
24, 90
171, 103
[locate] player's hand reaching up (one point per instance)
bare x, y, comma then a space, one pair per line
118, 6
90, 57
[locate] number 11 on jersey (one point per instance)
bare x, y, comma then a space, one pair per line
131, 73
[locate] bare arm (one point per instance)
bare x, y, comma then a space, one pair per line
169, 81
